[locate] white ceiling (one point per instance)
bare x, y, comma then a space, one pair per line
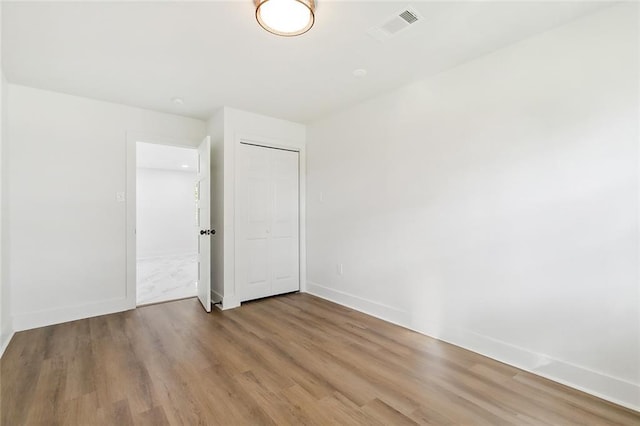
214, 53
164, 157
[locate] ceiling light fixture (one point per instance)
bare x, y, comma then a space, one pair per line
286, 17
185, 166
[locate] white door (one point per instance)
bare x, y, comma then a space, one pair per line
284, 247
267, 227
204, 223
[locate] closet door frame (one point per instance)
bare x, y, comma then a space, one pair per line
295, 146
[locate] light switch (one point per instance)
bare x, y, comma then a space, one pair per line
120, 197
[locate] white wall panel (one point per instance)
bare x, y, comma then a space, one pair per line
67, 162
496, 205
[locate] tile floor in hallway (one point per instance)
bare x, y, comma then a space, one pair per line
165, 278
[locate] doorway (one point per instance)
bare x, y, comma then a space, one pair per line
166, 223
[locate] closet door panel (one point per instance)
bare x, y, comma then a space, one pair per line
284, 247
254, 196
258, 207
257, 265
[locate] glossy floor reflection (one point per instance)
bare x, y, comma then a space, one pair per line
166, 278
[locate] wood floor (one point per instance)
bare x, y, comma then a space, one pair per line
294, 359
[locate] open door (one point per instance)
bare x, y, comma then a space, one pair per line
204, 223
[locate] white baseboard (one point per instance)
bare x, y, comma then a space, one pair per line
603, 386
29, 320
224, 303
5, 339
230, 302
378, 310
606, 387
612, 389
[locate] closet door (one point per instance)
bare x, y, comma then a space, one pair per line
284, 241
267, 222
254, 194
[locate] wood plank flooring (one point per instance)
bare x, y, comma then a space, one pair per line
294, 359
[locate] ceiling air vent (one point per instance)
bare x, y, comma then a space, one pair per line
396, 23
408, 16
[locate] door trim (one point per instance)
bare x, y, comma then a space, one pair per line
130, 204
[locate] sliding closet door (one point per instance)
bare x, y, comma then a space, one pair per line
267, 222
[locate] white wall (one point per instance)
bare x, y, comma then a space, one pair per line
496, 205
67, 161
6, 328
165, 213
215, 129
242, 126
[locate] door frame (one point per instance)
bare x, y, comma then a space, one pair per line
233, 300
130, 202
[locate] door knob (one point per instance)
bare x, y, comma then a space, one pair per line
202, 232
208, 232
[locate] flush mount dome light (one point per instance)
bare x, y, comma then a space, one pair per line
285, 17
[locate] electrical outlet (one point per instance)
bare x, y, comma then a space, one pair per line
120, 197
